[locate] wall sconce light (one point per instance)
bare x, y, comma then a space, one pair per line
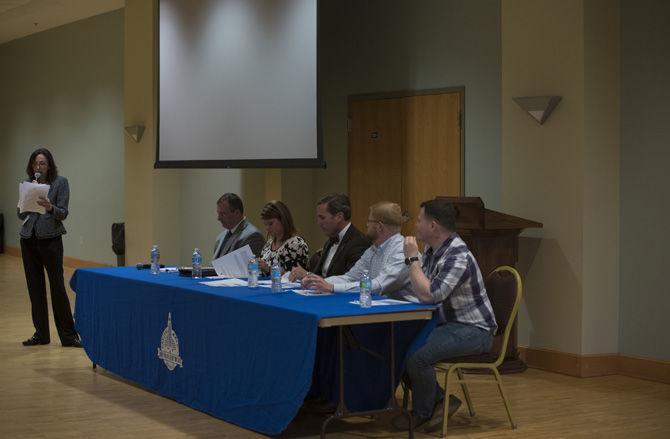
539, 107
135, 132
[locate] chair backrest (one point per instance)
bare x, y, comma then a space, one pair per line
504, 288
314, 260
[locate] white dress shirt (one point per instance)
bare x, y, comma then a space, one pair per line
386, 266
333, 250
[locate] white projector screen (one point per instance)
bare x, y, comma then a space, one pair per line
237, 84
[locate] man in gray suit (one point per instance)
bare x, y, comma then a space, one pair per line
240, 232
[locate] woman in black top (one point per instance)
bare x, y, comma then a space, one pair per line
42, 248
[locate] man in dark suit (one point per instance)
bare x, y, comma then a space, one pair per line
240, 232
345, 243
343, 249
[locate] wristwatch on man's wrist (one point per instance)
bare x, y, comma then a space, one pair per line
408, 261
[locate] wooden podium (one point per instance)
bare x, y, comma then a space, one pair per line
493, 238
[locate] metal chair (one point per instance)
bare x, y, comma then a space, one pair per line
498, 286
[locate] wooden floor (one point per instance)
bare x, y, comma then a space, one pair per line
52, 392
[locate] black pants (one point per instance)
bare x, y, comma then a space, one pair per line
40, 254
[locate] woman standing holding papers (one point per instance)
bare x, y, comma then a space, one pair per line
42, 248
283, 243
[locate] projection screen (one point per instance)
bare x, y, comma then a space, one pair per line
237, 84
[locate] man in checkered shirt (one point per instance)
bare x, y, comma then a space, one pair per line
447, 275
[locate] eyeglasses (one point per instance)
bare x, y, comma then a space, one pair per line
374, 221
41, 164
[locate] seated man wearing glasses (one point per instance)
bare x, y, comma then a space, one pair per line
384, 259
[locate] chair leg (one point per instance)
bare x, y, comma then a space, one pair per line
466, 392
445, 410
405, 393
504, 398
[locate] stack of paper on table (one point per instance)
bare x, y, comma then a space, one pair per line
226, 283
382, 302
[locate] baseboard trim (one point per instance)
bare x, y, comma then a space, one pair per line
554, 361
644, 368
12, 251
585, 366
67, 260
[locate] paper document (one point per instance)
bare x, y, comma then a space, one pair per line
311, 293
284, 285
233, 264
29, 194
226, 283
382, 302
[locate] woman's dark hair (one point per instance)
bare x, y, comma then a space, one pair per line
279, 211
53, 169
442, 211
336, 203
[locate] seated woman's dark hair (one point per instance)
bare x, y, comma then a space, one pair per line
278, 210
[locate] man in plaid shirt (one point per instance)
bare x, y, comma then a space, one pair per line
447, 274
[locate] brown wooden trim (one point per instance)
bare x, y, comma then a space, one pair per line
82, 263
553, 361
13, 251
596, 365
585, 366
653, 370
67, 260
407, 93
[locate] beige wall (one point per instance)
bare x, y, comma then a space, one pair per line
176, 209
645, 160
62, 88
471, 34
542, 166
600, 302
565, 172
376, 46
151, 196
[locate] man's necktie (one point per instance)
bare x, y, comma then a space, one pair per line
223, 244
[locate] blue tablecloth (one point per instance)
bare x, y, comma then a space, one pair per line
243, 355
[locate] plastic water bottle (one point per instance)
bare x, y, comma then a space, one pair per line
196, 262
365, 299
275, 276
252, 273
155, 260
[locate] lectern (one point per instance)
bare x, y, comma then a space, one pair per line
493, 238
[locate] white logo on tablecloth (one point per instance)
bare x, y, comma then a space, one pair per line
169, 350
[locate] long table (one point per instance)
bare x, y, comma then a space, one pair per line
243, 355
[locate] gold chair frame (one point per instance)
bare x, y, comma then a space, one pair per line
454, 371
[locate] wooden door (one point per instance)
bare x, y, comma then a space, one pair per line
405, 149
432, 157
375, 155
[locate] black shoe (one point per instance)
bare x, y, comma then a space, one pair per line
454, 405
401, 422
72, 343
435, 422
319, 407
34, 341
